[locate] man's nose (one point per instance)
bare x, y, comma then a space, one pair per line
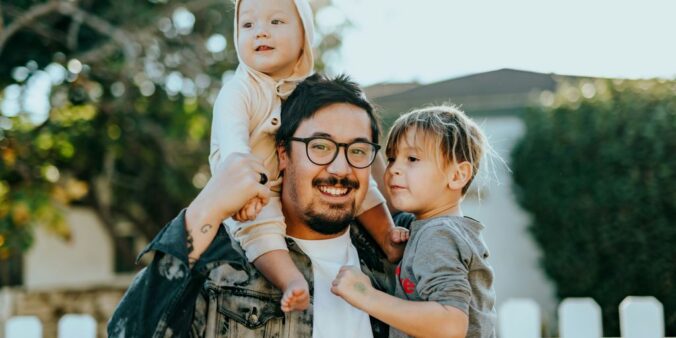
339, 166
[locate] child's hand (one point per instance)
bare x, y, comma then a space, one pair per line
250, 210
352, 285
399, 235
397, 239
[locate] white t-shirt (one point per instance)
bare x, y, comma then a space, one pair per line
333, 316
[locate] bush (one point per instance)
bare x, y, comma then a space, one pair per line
598, 176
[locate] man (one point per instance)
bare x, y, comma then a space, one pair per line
200, 283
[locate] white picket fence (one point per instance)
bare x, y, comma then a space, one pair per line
640, 317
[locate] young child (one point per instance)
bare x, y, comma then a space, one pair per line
273, 43
444, 282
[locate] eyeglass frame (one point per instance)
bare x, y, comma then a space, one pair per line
307, 141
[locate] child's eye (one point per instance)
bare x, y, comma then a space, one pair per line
247, 25
390, 159
276, 21
412, 159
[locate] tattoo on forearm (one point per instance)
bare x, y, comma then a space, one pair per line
205, 228
360, 287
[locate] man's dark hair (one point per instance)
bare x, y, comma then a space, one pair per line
315, 93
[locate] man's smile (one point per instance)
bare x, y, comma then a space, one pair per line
336, 189
333, 191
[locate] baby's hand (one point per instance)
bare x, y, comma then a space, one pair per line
250, 210
352, 285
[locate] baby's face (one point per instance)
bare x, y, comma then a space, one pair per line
270, 36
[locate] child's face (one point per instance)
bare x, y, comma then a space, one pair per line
414, 180
270, 36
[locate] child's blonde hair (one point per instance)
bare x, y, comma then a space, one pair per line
447, 131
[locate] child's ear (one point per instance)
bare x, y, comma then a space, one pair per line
283, 157
459, 175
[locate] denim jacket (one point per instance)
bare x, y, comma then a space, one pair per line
223, 295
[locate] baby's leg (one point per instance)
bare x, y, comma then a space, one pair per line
280, 270
263, 241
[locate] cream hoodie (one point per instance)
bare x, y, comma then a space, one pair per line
245, 119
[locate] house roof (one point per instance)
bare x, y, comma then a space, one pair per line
499, 92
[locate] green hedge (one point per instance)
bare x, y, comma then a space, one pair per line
597, 172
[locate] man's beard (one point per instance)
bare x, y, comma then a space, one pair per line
338, 217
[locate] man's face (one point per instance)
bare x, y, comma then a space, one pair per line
320, 200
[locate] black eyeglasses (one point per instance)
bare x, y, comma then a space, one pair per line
322, 151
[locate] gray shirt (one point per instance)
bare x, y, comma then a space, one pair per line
445, 261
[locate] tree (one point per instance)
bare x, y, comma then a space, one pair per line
597, 171
130, 86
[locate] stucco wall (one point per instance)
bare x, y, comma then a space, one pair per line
514, 254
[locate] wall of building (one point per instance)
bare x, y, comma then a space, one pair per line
514, 255
84, 261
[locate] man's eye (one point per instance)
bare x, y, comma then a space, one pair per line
322, 147
358, 151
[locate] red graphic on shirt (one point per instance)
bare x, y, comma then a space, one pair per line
408, 286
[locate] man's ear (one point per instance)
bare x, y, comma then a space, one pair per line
283, 157
459, 175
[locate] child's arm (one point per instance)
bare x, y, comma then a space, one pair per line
419, 319
230, 126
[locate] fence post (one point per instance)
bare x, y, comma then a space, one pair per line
23, 327
519, 318
6, 305
580, 318
641, 317
77, 326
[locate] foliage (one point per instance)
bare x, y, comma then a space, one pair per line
597, 171
130, 86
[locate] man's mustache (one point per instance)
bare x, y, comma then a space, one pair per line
331, 180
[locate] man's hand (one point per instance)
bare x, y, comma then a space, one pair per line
235, 182
352, 285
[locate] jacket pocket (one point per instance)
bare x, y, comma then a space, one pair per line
247, 313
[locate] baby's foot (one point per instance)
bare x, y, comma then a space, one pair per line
296, 296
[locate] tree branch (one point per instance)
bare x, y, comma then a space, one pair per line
2, 21
37, 27
103, 27
108, 48
26, 19
73, 32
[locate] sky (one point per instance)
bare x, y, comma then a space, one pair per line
432, 40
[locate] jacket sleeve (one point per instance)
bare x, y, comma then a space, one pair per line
230, 124
162, 296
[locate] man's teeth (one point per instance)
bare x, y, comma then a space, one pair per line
333, 191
